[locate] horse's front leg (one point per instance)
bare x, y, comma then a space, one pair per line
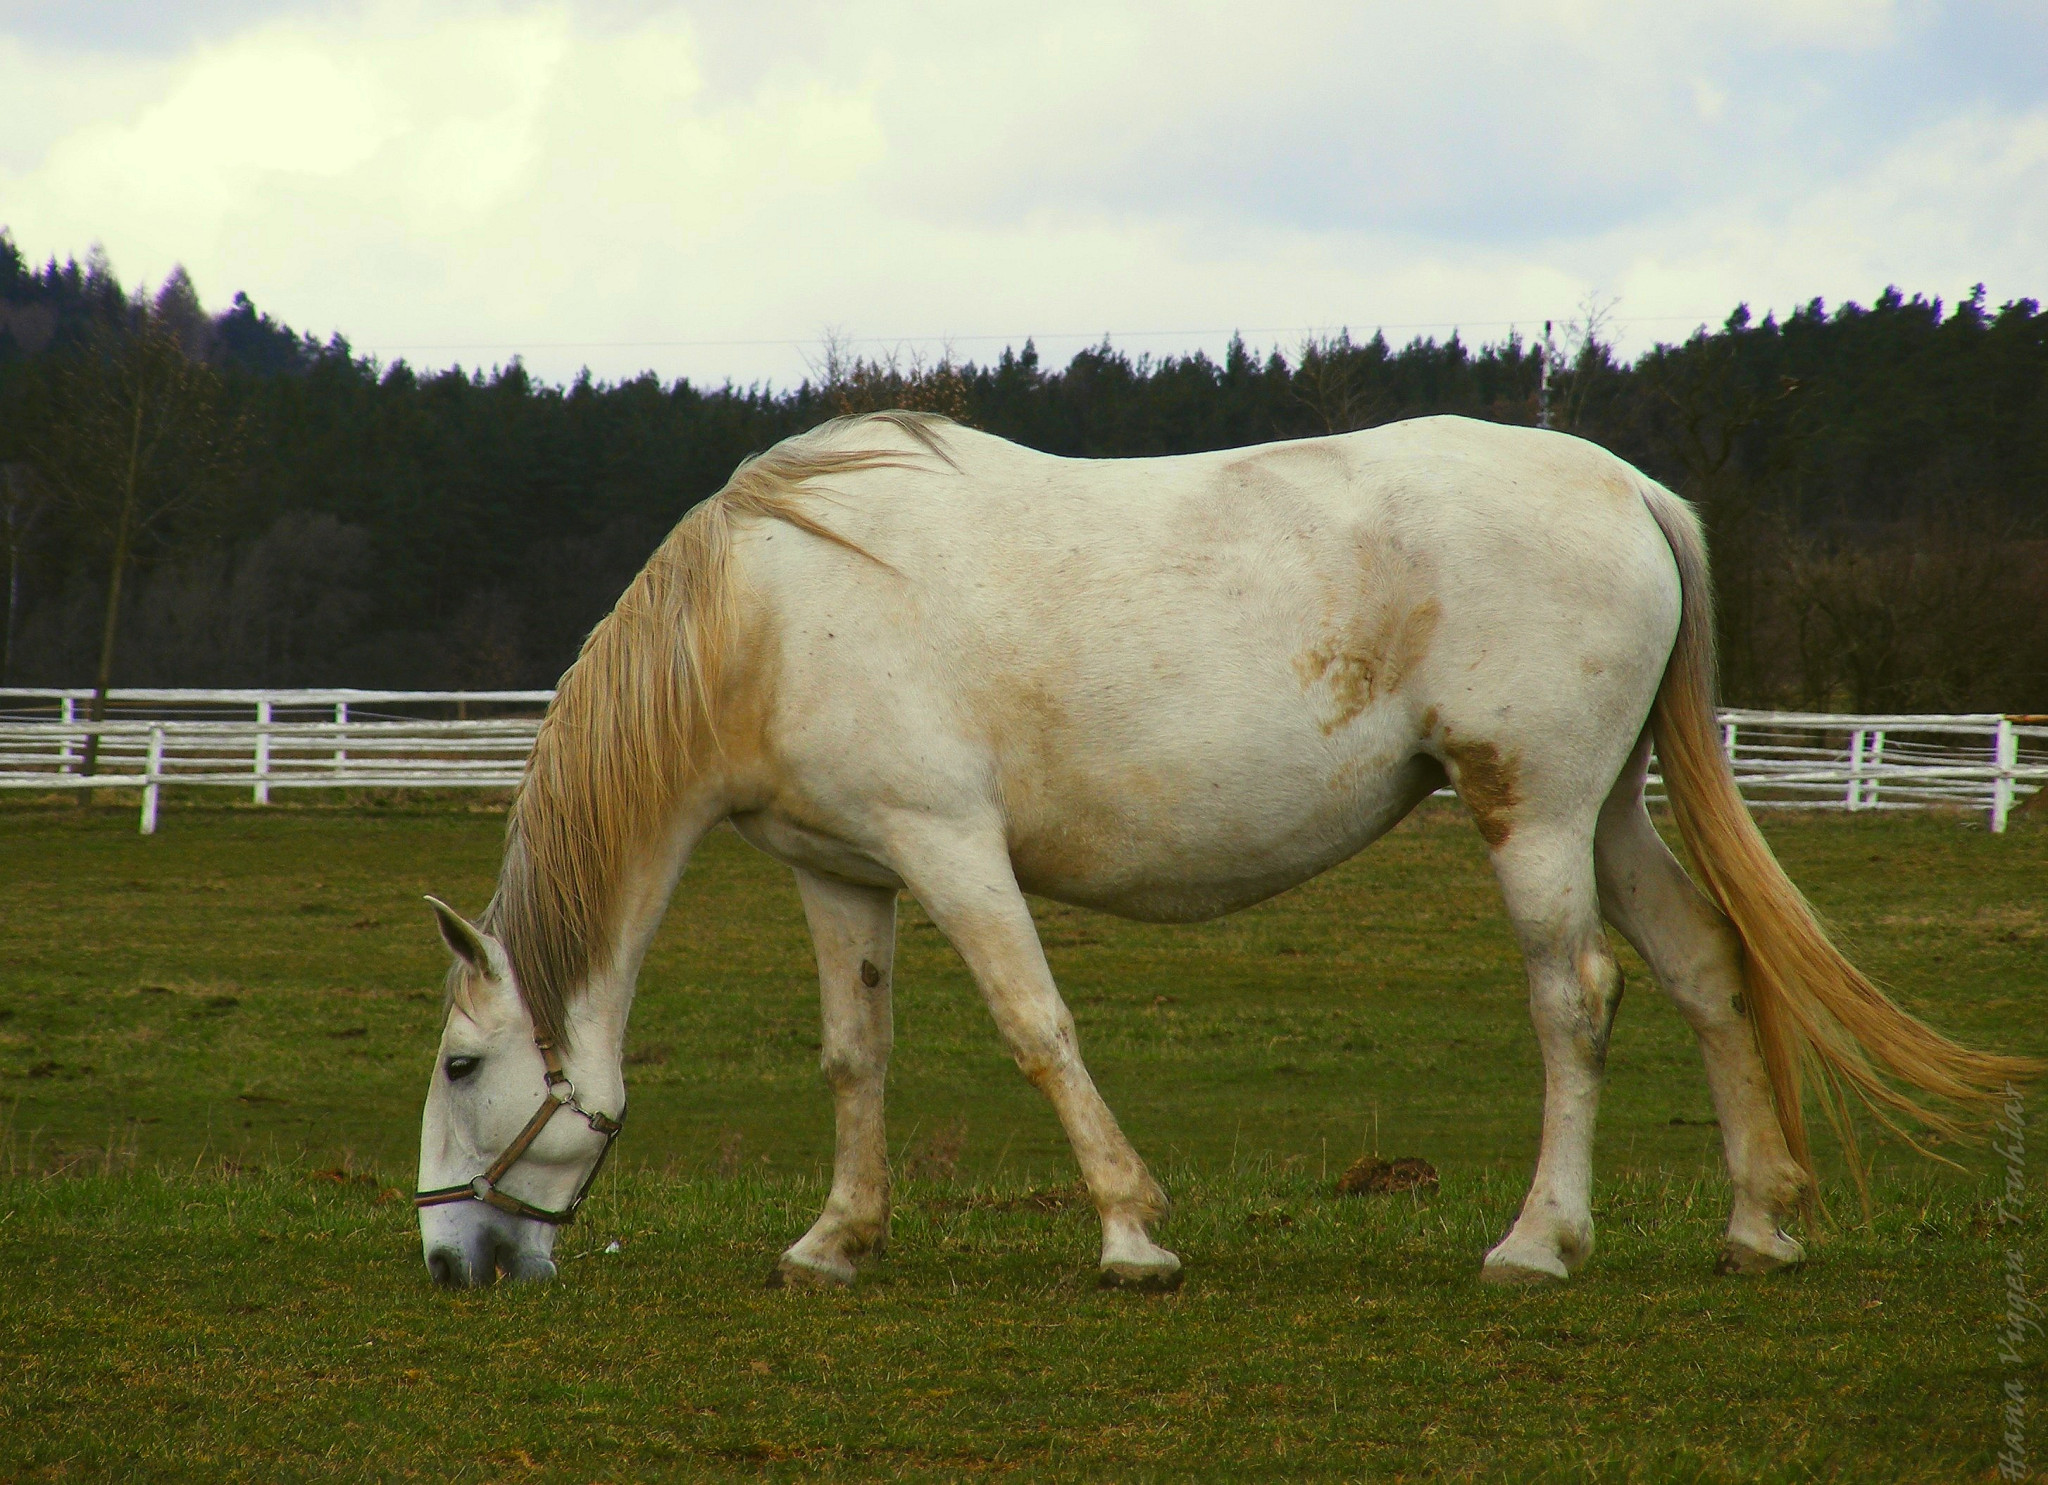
854, 931
967, 886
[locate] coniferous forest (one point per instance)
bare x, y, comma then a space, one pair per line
267, 510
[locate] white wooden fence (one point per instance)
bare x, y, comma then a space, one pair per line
1822, 760
266, 740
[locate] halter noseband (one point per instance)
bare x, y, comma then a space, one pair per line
561, 1094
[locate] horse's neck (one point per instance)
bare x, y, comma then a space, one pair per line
601, 1011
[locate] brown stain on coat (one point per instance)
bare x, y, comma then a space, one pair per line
1370, 659
1487, 781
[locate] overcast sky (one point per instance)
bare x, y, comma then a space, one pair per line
708, 189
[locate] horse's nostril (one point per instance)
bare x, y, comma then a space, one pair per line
449, 1269
529, 1268
516, 1265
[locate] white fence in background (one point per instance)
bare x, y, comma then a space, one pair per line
1822, 760
267, 740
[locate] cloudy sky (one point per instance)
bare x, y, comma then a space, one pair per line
708, 189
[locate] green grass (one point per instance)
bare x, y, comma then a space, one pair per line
215, 1042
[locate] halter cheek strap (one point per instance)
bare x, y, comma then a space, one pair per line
561, 1095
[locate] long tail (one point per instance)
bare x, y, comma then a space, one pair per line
1812, 1010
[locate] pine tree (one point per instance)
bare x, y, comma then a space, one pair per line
135, 440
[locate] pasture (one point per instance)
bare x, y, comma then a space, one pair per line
215, 1043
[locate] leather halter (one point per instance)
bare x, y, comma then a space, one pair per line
561, 1095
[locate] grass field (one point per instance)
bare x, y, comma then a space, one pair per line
215, 1043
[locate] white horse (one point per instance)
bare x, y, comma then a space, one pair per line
899, 654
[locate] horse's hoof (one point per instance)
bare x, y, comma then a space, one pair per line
797, 1273
1523, 1263
1742, 1258
1140, 1278
1510, 1272
1536, 1257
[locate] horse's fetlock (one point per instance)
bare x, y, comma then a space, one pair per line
862, 1239
1785, 1189
1575, 1243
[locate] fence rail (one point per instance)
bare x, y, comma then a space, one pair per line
355, 739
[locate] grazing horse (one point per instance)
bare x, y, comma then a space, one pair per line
897, 654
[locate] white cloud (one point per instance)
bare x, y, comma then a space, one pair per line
43, 99
1966, 200
494, 171
503, 176
1850, 25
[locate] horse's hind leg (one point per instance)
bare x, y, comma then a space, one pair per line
967, 887
854, 931
1695, 954
1546, 876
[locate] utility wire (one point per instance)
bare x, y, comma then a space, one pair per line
1092, 336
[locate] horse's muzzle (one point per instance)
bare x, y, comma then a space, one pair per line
453, 1269
473, 1246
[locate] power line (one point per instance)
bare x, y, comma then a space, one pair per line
1091, 336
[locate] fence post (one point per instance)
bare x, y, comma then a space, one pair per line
2005, 757
340, 720
1728, 741
151, 770
70, 719
262, 793
1854, 798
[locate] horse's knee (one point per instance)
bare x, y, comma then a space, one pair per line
1042, 1045
1040, 1059
1600, 988
1574, 995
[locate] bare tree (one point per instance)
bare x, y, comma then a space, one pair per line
23, 499
136, 439
1328, 384
852, 383
1590, 358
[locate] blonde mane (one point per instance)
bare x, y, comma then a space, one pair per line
635, 720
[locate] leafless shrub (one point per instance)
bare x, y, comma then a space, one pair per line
1935, 614
1330, 382
852, 383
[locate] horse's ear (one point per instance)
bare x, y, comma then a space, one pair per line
467, 942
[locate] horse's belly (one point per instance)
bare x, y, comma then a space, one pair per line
1227, 844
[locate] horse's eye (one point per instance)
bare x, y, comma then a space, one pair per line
461, 1067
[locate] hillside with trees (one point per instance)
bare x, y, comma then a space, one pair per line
214, 499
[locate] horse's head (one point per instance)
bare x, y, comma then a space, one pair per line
509, 1142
